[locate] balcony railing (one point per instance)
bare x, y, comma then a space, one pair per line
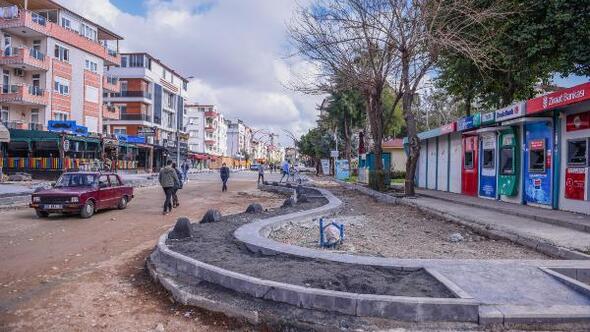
133, 94
38, 19
136, 117
23, 57
23, 94
36, 126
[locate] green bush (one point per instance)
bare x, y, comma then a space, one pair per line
379, 180
398, 174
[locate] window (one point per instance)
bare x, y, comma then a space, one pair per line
91, 65
123, 108
124, 60
66, 23
60, 116
120, 131
115, 182
4, 114
136, 60
577, 152
185, 85
164, 73
89, 32
34, 115
103, 181
468, 162
507, 161
61, 86
488, 158
91, 94
62, 53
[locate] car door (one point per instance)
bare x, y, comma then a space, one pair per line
116, 189
104, 192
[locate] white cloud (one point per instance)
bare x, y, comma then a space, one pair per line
234, 48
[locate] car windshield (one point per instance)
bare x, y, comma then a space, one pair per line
76, 180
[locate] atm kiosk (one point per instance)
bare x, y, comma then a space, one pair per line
469, 166
488, 165
537, 163
577, 183
508, 178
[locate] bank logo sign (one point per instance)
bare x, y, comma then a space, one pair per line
469, 122
511, 112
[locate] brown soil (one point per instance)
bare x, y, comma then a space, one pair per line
66, 273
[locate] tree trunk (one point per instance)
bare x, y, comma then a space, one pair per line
413, 140
376, 120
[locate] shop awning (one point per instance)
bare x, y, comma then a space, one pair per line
4, 134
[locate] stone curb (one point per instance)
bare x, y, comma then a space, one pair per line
170, 264
539, 245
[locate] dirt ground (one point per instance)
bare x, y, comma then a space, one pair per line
66, 273
378, 229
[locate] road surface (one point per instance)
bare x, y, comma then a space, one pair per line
67, 273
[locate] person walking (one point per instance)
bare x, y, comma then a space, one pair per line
260, 173
177, 186
224, 173
185, 167
285, 171
168, 179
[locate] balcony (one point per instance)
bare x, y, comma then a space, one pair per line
210, 141
209, 128
110, 112
136, 117
132, 94
23, 58
25, 24
211, 114
23, 95
111, 84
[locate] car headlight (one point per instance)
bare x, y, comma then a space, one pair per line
36, 199
75, 199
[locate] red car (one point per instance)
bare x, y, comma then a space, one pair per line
83, 193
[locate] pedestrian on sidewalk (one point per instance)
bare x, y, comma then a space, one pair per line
168, 179
284, 171
224, 173
185, 167
260, 173
177, 186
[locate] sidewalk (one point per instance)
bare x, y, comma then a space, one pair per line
560, 218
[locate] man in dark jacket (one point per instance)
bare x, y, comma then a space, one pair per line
168, 180
224, 173
177, 186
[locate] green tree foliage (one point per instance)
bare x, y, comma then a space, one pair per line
541, 38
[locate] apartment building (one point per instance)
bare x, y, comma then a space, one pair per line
215, 131
239, 138
52, 62
195, 127
151, 103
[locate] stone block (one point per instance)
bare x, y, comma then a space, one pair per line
181, 230
283, 294
212, 215
254, 208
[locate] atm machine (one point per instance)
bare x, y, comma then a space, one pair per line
469, 167
488, 165
577, 177
509, 171
538, 172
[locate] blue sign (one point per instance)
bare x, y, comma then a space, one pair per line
121, 137
136, 139
537, 163
62, 126
342, 169
469, 122
81, 131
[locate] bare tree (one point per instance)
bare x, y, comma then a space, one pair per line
370, 44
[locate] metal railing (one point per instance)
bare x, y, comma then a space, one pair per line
14, 51
38, 19
36, 126
16, 88
111, 52
136, 116
36, 54
141, 94
112, 80
36, 91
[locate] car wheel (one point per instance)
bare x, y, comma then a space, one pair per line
42, 214
87, 210
122, 203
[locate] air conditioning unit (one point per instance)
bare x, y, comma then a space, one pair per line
19, 72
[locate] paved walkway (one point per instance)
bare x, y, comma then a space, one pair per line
561, 218
498, 219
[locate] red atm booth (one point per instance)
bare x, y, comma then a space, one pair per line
470, 165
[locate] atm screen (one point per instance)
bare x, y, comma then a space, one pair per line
577, 152
488, 158
537, 161
468, 160
507, 161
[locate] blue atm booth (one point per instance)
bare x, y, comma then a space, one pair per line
488, 165
538, 148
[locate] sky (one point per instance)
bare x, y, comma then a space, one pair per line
235, 49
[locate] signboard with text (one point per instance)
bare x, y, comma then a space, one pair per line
558, 99
511, 112
578, 121
575, 183
469, 122
488, 118
325, 166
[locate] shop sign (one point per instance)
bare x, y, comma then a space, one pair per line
122, 137
448, 128
559, 99
488, 118
508, 139
575, 183
325, 166
146, 131
578, 121
66, 145
62, 126
511, 112
469, 122
342, 169
334, 154
136, 139
538, 144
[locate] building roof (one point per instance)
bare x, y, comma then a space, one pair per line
104, 33
158, 61
393, 143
